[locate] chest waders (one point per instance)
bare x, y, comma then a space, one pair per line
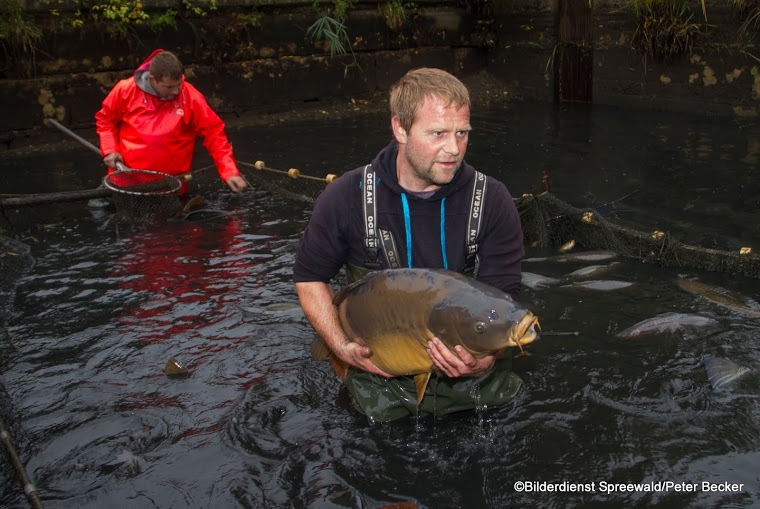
384, 399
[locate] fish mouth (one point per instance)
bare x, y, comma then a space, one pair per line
524, 332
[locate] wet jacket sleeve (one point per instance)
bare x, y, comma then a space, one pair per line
109, 116
210, 128
501, 249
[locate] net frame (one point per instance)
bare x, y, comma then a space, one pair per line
140, 180
142, 195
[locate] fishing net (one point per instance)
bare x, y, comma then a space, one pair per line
548, 221
143, 195
291, 183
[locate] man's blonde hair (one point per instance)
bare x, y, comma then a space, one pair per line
408, 93
166, 65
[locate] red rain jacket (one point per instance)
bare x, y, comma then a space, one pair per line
157, 135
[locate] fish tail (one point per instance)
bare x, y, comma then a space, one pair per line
420, 384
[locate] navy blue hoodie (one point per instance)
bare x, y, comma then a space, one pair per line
435, 227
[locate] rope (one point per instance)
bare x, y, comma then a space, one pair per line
292, 172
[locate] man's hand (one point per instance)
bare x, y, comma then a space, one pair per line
358, 356
460, 362
236, 183
113, 158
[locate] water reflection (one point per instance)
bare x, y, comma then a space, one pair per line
256, 423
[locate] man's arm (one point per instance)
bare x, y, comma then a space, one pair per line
210, 128
316, 301
107, 126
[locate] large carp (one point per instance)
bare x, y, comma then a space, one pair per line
395, 313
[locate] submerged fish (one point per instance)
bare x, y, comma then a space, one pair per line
666, 322
396, 312
590, 271
600, 284
535, 281
585, 256
203, 214
567, 246
721, 296
723, 372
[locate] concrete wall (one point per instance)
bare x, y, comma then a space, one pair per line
275, 67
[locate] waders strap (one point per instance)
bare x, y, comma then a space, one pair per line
370, 214
389, 248
473, 224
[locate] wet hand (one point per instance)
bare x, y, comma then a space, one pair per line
111, 159
460, 362
358, 356
236, 183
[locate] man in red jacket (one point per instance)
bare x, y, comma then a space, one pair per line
152, 120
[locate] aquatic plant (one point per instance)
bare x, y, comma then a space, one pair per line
664, 28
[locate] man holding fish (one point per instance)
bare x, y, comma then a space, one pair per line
417, 205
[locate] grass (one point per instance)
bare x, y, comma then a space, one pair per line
664, 28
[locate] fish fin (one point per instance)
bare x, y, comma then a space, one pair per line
340, 367
722, 372
193, 204
421, 383
320, 351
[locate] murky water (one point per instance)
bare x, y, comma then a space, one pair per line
257, 423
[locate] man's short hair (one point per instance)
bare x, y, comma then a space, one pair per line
166, 65
408, 93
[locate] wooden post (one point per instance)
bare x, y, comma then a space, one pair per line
574, 56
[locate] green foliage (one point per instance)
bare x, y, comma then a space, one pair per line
251, 19
199, 7
20, 36
332, 31
330, 27
394, 13
664, 28
120, 17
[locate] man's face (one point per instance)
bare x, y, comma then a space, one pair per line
432, 150
166, 88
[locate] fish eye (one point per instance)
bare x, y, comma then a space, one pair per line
480, 327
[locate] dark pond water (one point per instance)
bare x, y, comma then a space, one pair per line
258, 424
